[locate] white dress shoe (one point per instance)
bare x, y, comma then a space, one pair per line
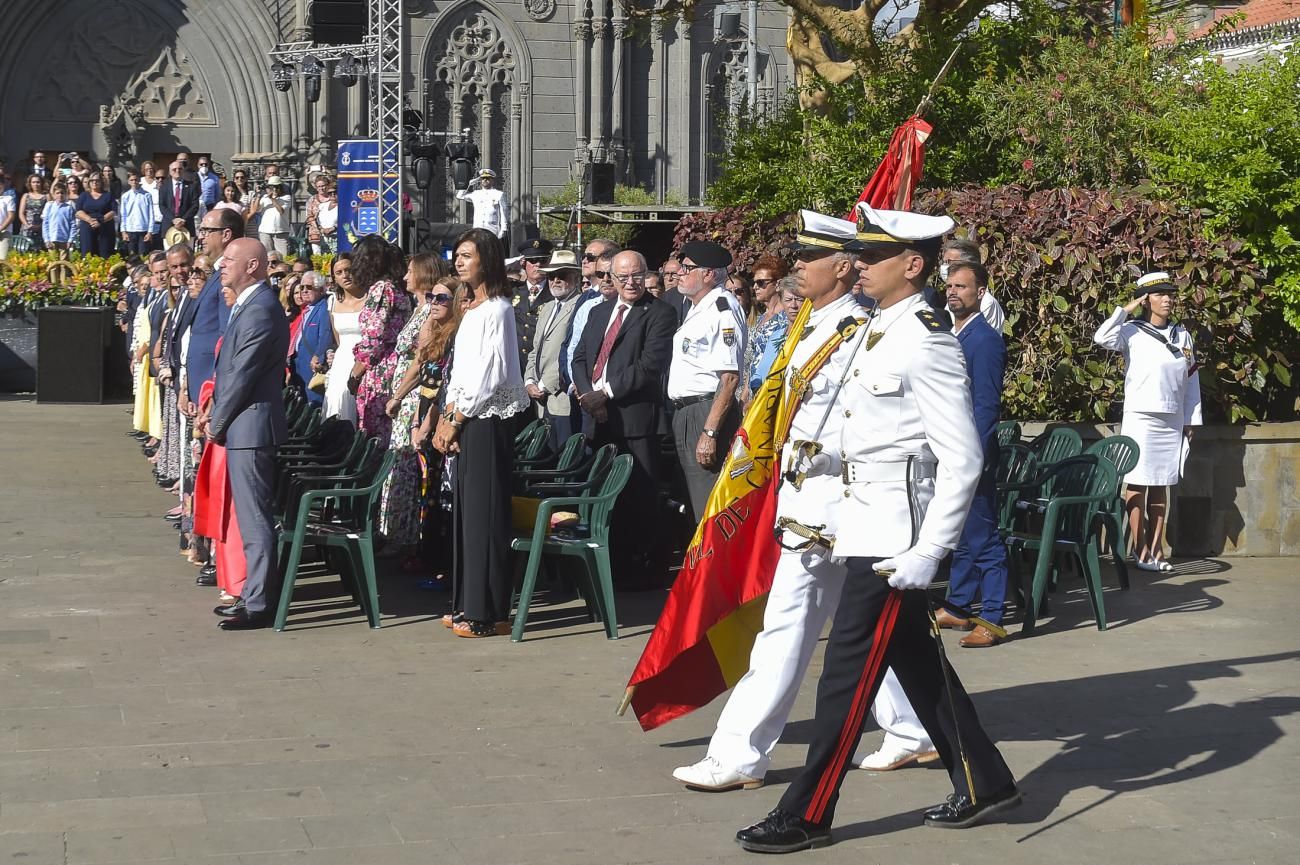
1148, 565
889, 759
712, 776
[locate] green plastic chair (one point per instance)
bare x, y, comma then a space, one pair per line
361, 450
345, 522
1056, 444
1123, 453
589, 541
581, 480
532, 445
1083, 486
1016, 465
1008, 432
568, 464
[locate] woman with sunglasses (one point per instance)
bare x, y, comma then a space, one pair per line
315, 335
768, 326
399, 512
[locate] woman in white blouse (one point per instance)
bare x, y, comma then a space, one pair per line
1162, 402
484, 395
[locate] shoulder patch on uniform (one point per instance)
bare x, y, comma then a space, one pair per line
848, 326
723, 306
930, 320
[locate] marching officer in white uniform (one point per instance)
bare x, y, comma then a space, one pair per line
705, 370
907, 462
807, 582
490, 208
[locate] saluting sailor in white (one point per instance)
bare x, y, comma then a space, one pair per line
491, 210
1162, 402
807, 582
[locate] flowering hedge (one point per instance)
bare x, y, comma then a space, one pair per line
28, 281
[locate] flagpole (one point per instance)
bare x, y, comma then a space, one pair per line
626, 701
924, 105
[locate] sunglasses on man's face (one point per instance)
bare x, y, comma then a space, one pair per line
590, 256
600, 274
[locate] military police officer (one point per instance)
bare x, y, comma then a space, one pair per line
908, 460
529, 296
705, 369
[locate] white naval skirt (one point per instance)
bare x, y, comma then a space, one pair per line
1160, 439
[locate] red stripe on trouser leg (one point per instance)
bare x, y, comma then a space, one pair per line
852, 728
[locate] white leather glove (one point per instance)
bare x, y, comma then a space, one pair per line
814, 465
911, 569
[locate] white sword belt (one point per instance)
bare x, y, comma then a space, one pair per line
875, 473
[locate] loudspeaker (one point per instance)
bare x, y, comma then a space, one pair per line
72, 345
338, 22
601, 188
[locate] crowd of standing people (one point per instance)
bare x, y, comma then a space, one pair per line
73, 204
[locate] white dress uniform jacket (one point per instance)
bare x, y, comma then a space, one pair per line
814, 503
711, 340
907, 400
490, 209
1156, 380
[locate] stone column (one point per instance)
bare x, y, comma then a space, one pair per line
618, 103
682, 60
582, 116
663, 34
599, 83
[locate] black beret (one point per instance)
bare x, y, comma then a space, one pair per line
538, 247
706, 253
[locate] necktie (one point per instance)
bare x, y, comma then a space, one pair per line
176, 195
608, 345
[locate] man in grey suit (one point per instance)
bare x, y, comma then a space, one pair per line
247, 417
544, 371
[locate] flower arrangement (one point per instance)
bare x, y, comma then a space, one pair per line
29, 281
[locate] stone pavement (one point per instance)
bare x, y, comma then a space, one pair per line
132, 730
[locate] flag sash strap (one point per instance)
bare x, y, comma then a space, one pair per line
800, 378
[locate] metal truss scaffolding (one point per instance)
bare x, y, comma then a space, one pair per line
381, 54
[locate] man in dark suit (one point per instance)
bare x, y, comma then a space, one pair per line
178, 199
247, 416
618, 370
219, 229
180, 261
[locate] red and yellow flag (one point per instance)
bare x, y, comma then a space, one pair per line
700, 646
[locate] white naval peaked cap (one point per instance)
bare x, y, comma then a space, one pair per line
818, 231
1157, 280
890, 228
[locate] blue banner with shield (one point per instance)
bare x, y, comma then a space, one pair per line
359, 204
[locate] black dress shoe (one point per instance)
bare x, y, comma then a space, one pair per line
783, 832
209, 569
959, 812
206, 579
245, 621
227, 611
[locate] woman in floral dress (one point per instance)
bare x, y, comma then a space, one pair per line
399, 515
377, 266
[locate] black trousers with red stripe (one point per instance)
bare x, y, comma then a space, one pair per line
876, 627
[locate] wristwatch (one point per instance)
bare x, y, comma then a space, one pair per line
711, 433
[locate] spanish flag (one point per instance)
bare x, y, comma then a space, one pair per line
700, 646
